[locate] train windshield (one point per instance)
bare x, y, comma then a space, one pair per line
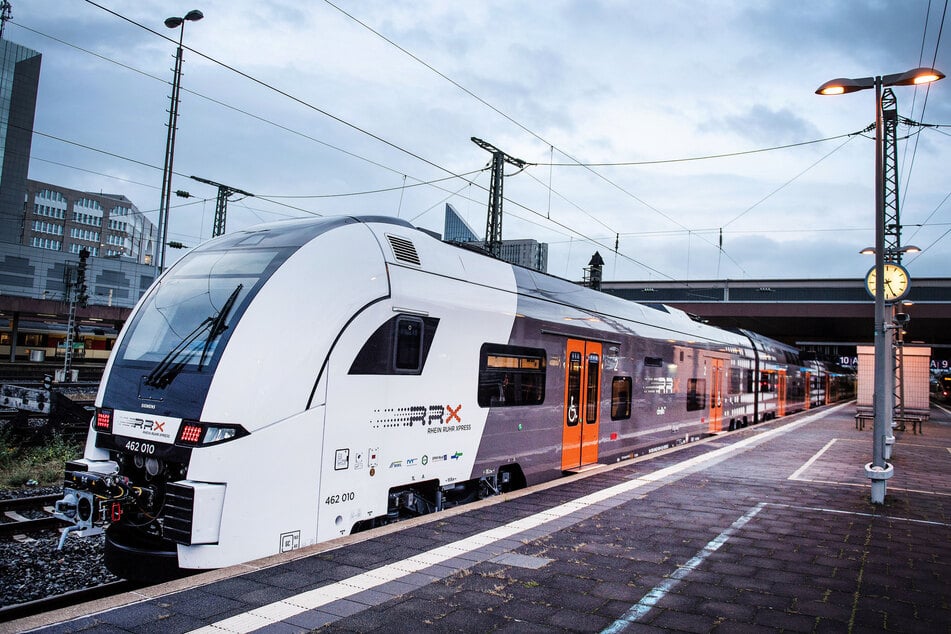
186, 317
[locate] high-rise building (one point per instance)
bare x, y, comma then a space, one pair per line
457, 229
43, 227
19, 82
528, 253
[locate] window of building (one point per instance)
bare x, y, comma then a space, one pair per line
41, 226
46, 243
84, 234
93, 251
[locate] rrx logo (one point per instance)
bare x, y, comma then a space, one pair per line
435, 414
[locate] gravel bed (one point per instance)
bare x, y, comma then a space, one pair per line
35, 569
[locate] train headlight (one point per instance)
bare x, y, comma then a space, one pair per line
197, 434
218, 434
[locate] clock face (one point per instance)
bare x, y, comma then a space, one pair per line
897, 282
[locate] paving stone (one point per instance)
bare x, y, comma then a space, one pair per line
573, 621
813, 552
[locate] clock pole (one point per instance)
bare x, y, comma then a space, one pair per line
878, 470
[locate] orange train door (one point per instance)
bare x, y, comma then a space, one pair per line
781, 393
582, 404
716, 395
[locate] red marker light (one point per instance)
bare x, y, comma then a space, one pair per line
191, 433
104, 420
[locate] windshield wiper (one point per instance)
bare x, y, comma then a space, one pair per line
179, 356
168, 368
218, 325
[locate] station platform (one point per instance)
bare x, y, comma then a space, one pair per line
765, 529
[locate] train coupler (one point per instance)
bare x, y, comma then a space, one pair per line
92, 499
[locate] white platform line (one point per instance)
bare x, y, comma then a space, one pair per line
645, 605
291, 606
891, 518
799, 471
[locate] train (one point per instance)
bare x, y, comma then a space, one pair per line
420, 375
941, 389
46, 339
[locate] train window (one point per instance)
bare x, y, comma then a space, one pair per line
399, 346
696, 394
591, 399
510, 376
737, 380
408, 351
621, 398
574, 387
654, 362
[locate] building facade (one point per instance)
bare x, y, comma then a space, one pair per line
107, 225
528, 253
455, 229
19, 83
55, 224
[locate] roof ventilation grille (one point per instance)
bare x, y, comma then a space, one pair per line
404, 250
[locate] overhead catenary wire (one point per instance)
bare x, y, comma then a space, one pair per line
914, 153
242, 74
450, 172
218, 102
281, 92
589, 165
546, 215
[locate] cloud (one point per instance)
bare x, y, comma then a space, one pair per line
601, 81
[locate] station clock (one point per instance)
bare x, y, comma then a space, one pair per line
897, 282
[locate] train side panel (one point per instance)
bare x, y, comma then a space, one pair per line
402, 403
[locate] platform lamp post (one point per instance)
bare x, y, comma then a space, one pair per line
173, 23
878, 470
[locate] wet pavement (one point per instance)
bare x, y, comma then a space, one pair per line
767, 529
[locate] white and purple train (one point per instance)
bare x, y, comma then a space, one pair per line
297, 381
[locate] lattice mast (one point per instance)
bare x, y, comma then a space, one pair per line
221, 206
493, 223
890, 176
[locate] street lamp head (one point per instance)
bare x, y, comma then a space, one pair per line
192, 16
913, 77
843, 85
888, 252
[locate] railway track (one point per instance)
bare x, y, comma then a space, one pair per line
40, 518
66, 599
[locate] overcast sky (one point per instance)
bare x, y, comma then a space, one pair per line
316, 107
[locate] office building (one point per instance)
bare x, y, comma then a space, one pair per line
66, 220
19, 82
528, 253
